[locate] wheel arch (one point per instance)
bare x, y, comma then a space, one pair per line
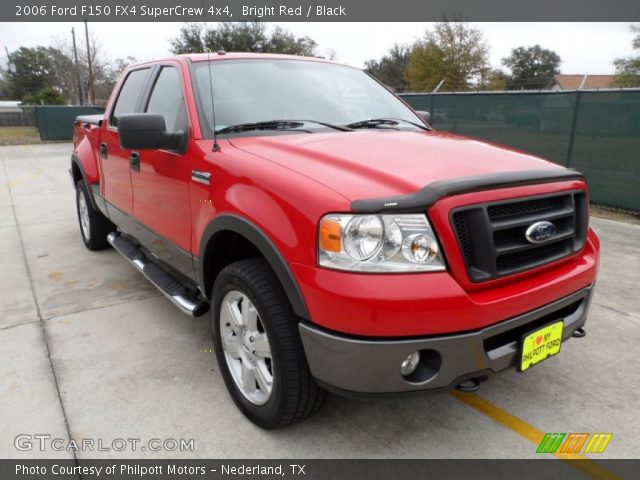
231, 228
78, 173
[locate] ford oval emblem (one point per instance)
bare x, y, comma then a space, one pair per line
540, 232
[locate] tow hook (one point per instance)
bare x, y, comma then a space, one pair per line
579, 333
471, 385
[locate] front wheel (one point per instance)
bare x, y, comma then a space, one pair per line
258, 346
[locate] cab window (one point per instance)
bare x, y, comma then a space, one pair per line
127, 101
167, 99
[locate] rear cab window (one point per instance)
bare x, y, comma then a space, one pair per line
129, 95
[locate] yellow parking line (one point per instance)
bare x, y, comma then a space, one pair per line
21, 180
531, 433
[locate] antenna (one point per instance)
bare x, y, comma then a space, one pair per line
216, 146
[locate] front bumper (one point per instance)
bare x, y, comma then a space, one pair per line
434, 303
353, 365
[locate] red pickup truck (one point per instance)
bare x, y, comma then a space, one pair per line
338, 241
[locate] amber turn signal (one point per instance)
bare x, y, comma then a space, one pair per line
330, 235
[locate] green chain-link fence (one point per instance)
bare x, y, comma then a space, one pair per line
595, 132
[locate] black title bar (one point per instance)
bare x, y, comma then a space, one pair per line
299, 469
318, 10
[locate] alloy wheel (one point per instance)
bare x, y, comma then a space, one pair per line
246, 347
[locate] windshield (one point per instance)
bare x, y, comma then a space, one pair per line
247, 91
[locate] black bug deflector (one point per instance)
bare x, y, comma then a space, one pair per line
427, 196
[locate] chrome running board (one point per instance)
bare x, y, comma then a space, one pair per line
170, 286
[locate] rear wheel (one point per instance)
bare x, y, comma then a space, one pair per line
258, 346
94, 226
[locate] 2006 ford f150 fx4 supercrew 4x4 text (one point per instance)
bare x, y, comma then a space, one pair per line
335, 239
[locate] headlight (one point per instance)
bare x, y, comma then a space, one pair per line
378, 243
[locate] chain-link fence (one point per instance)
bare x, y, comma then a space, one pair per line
22, 116
54, 122
595, 132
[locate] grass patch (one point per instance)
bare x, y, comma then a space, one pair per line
19, 135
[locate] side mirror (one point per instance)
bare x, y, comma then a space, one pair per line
424, 115
147, 131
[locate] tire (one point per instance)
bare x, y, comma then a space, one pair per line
94, 226
249, 287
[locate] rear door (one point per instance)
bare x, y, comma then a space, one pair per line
114, 159
160, 183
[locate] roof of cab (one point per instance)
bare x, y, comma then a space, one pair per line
215, 56
222, 55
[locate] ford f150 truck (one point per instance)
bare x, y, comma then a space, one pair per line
337, 241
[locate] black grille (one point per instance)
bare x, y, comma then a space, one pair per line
519, 208
492, 237
463, 236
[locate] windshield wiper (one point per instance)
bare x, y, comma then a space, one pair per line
375, 122
268, 125
341, 128
277, 125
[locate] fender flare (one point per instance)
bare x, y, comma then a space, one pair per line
243, 227
75, 160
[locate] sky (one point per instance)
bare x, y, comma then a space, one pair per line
583, 47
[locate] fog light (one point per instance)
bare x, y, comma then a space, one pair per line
410, 363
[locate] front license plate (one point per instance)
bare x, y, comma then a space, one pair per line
540, 344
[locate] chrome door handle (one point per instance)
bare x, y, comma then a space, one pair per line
201, 177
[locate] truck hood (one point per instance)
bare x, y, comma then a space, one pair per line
376, 163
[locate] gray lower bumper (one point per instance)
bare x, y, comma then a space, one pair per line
369, 366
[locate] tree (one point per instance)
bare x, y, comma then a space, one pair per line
46, 96
283, 41
391, 68
493, 79
427, 68
107, 75
30, 71
64, 73
189, 40
105, 70
237, 37
48, 74
5, 91
628, 69
532, 68
103, 78
32, 76
241, 37
453, 52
